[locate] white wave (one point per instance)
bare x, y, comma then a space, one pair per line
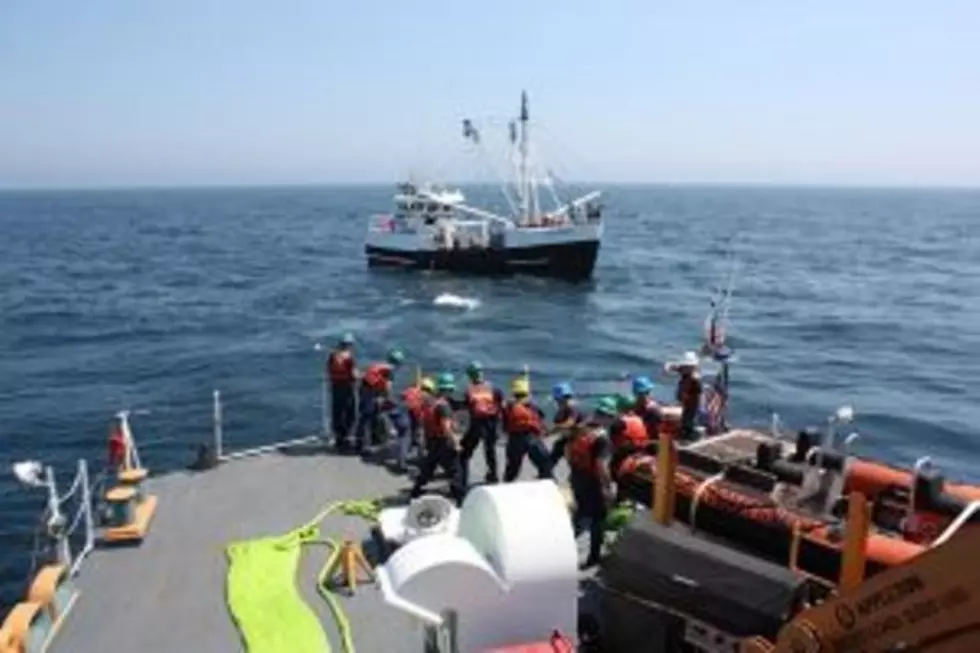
456, 301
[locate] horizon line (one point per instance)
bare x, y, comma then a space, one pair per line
54, 188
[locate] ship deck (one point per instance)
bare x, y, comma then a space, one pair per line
168, 594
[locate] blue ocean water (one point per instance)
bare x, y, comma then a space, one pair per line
149, 300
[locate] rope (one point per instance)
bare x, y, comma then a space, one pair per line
309, 534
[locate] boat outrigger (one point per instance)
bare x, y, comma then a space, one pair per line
432, 228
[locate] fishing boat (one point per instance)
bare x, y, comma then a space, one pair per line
433, 228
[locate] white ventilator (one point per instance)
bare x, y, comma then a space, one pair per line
428, 515
509, 574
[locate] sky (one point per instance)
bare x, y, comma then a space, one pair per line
97, 93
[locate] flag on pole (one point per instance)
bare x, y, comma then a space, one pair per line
470, 132
716, 402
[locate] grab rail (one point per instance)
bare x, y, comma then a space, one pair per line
954, 527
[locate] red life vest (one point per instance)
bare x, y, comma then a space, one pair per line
340, 367
479, 397
377, 377
579, 453
635, 432
117, 446
435, 427
414, 400
520, 417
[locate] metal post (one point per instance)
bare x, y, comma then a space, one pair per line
218, 432
853, 556
324, 386
56, 520
86, 507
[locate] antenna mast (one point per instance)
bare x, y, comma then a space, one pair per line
524, 190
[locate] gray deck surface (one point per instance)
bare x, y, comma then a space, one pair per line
168, 595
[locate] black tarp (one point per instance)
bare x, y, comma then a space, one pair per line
692, 575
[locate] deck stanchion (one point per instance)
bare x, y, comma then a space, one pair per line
853, 556
663, 498
324, 385
56, 519
88, 519
218, 427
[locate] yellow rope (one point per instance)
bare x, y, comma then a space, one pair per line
309, 534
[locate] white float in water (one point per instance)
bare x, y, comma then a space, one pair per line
456, 301
509, 574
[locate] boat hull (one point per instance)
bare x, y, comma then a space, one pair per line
572, 261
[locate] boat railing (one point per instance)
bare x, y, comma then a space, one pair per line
965, 516
67, 521
384, 223
463, 234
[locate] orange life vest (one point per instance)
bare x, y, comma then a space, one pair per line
340, 367
520, 418
377, 377
479, 397
579, 453
435, 427
635, 432
414, 400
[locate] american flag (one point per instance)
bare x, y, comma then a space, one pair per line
716, 401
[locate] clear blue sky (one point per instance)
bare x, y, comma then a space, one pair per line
147, 92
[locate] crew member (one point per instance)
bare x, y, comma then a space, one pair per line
524, 426
688, 393
483, 403
567, 418
441, 441
629, 433
374, 396
409, 419
342, 372
646, 407
588, 452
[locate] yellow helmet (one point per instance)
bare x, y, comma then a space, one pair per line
520, 386
428, 384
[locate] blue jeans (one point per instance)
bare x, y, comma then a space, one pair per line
367, 418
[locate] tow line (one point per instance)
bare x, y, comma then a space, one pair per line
307, 534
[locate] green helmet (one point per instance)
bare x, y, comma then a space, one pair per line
396, 356
474, 369
624, 402
446, 382
347, 339
606, 406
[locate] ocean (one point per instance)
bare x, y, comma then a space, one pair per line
149, 300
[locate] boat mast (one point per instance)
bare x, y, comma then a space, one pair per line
524, 190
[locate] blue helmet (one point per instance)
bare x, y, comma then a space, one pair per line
642, 385
562, 391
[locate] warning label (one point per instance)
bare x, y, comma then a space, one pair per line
883, 622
